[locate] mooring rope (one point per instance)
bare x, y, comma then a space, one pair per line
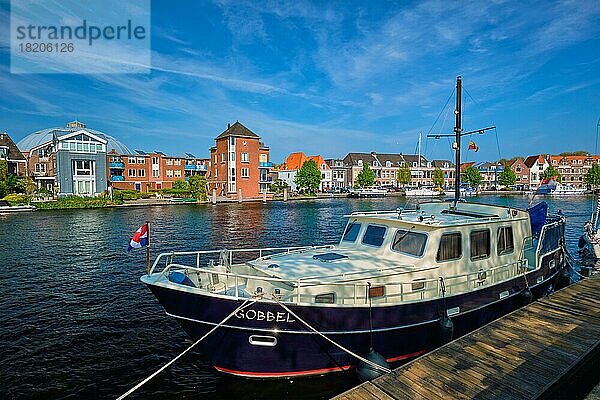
369, 362
146, 380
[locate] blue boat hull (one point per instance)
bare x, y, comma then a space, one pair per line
400, 332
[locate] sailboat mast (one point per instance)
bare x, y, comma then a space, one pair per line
457, 131
419, 162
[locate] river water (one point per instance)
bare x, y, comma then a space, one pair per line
76, 322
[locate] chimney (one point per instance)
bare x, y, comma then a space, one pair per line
228, 125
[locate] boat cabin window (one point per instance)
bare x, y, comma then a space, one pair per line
351, 232
450, 247
374, 235
506, 244
412, 243
480, 244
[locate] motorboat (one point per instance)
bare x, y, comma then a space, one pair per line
389, 284
5, 208
589, 242
554, 188
397, 284
367, 193
423, 192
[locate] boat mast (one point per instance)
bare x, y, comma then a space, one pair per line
457, 135
419, 162
457, 132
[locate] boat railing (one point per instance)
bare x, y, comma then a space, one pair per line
226, 257
377, 288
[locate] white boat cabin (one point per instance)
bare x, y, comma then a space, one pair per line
382, 257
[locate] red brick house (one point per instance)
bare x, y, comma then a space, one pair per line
521, 171
240, 164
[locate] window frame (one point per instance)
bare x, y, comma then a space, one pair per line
383, 239
437, 260
409, 254
489, 253
505, 252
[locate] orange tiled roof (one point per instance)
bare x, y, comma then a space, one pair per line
295, 161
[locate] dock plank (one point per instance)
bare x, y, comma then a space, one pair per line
526, 354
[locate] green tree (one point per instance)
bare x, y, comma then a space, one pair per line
197, 186
366, 177
181, 185
507, 177
404, 176
278, 186
550, 173
438, 177
3, 170
471, 176
592, 177
308, 177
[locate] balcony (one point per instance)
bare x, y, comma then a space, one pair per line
116, 165
117, 178
266, 164
192, 167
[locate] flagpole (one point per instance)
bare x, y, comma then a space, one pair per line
148, 248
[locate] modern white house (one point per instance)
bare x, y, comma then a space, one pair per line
288, 170
537, 165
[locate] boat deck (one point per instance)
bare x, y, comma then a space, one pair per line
539, 351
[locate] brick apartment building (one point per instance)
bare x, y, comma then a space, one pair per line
573, 169
240, 164
386, 167
145, 172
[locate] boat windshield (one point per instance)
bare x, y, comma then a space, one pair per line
351, 232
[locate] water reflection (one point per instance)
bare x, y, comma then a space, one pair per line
76, 321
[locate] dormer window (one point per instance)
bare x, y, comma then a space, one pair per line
388, 163
3, 152
360, 163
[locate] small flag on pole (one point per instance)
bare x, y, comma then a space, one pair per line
473, 146
139, 239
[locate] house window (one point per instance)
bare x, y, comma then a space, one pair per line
178, 161
232, 156
155, 173
169, 173
450, 247
505, 240
374, 235
408, 242
169, 161
177, 173
83, 168
154, 160
480, 244
245, 173
518, 169
223, 157
131, 172
141, 173
232, 141
40, 168
359, 162
140, 160
245, 157
351, 232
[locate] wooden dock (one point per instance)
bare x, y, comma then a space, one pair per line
549, 349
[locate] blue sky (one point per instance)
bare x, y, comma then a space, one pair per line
333, 77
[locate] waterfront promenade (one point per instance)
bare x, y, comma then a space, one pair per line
549, 349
